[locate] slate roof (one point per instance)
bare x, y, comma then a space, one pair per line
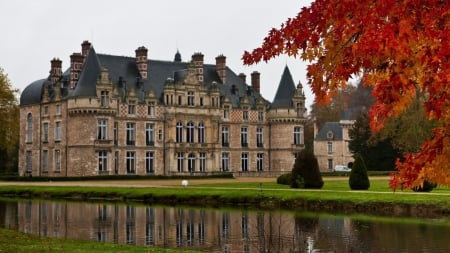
158, 73
285, 92
334, 127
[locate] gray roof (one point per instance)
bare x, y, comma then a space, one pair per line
158, 72
285, 92
334, 127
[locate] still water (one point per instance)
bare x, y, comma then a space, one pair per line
223, 230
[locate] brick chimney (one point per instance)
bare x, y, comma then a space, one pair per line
221, 68
255, 81
141, 61
55, 70
76, 64
243, 77
197, 59
85, 46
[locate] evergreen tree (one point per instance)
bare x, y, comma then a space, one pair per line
359, 180
306, 173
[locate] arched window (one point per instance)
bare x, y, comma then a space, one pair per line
201, 132
179, 132
191, 162
29, 128
190, 132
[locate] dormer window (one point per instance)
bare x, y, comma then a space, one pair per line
104, 98
330, 135
132, 107
190, 98
245, 113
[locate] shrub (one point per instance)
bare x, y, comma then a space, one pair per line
284, 179
306, 173
359, 180
426, 187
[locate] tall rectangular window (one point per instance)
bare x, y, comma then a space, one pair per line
45, 131
58, 109
225, 137
149, 162
298, 135
225, 162
151, 109
330, 147
226, 112
57, 131
104, 98
130, 130
244, 139
116, 133
102, 127
179, 132
202, 162
190, 98
57, 160
150, 134
132, 107
150, 226
102, 161
131, 162
244, 161
180, 162
29, 161
45, 158
190, 132
29, 128
330, 164
259, 137
191, 162
201, 132
259, 161
245, 113
260, 116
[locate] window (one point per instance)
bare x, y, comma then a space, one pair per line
151, 109
201, 133
130, 161
180, 100
130, 134
179, 132
150, 134
225, 162
29, 128
150, 226
45, 161
190, 132
190, 98
299, 109
46, 110
226, 112
160, 134
259, 137
102, 126
29, 161
104, 98
202, 160
116, 162
245, 113
330, 147
58, 131
244, 141
58, 109
259, 161
191, 162
116, 133
201, 101
225, 137
149, 162
330, 164
260, 116
180, 161
132, 107
244, 161
57, 160
298, 135
46, 132
102, 161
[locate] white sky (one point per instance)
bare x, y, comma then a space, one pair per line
34, 32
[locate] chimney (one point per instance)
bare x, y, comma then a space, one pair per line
76, 63
243, 77
221, 68
141, 61
55, 70
255, 81
197, 59
85, 46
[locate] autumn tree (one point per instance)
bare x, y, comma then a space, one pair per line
9, 125
399, 47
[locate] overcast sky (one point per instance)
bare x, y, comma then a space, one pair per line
34, 32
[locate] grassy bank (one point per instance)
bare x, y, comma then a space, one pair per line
335, 197
13, 241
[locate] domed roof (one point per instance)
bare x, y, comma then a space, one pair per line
33, 92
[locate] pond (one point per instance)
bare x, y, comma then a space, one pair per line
223, 230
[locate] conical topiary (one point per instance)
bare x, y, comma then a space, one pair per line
359, 180
306, 173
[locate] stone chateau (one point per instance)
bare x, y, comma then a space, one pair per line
116, 115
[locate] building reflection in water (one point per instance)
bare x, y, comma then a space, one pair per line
214, 230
